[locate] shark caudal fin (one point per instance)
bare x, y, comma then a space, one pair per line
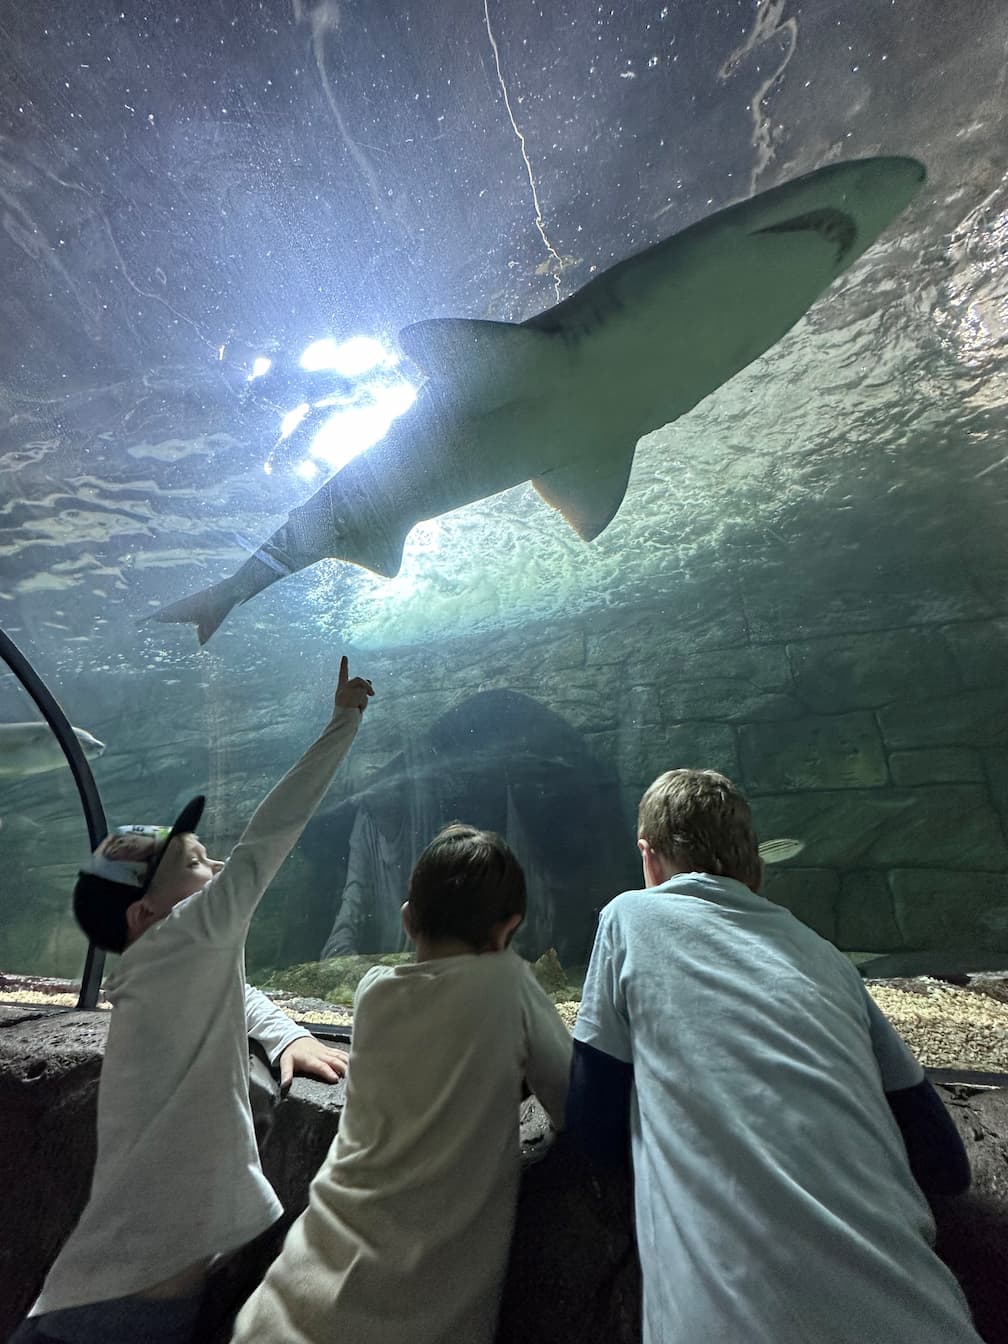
496, 362
205, 609
588, 498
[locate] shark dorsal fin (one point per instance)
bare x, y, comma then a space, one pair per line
587, 497
501, 360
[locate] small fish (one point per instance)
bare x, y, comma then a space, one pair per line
20, 830
32, 749
955, 966
779, 851
995, 921
563, 399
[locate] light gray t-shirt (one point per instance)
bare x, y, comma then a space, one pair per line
774, 1200
409, 1221
177, 1177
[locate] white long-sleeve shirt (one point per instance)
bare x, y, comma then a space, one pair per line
409, 1222
177, 1178
270, 1025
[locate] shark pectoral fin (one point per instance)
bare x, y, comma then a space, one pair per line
506, 361
379, 552
587, 497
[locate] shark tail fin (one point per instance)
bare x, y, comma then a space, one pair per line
589, 499
205, 610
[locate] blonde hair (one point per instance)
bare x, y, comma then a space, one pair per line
700, 821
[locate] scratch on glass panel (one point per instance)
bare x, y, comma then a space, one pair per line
767, 27
556, 264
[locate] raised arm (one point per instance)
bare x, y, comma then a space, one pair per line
228, 903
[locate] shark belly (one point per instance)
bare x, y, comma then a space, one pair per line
706, 322
424, 469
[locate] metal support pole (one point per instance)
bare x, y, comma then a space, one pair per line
94, 813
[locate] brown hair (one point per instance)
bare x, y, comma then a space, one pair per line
700, 821
464, 884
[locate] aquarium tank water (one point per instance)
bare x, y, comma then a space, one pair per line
769, 542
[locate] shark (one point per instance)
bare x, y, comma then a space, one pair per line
32, 749
562, 399
956, 965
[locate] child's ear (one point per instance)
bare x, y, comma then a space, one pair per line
139, 918
502, 933
407, 921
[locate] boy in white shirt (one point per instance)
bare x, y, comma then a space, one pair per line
177, 1179
408, 1228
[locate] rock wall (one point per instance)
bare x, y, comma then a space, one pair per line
885, 750
573, 1278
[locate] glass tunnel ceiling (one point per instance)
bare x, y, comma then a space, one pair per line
187, 190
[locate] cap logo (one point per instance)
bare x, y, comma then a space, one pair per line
125, 855
130, 855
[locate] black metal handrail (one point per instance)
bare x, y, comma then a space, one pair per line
94, 813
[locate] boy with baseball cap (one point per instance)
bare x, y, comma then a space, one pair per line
177, 1178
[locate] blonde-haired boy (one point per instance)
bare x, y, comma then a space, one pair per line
177, 1179
775, 1119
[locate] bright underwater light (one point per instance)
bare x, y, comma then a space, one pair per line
292, 419
360, 415
354, 428
261, 366
351, 358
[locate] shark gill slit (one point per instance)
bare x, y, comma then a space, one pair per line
835, 226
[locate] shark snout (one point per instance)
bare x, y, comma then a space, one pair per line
911, 170
881, 189
889, 182
92, 747
847, 204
